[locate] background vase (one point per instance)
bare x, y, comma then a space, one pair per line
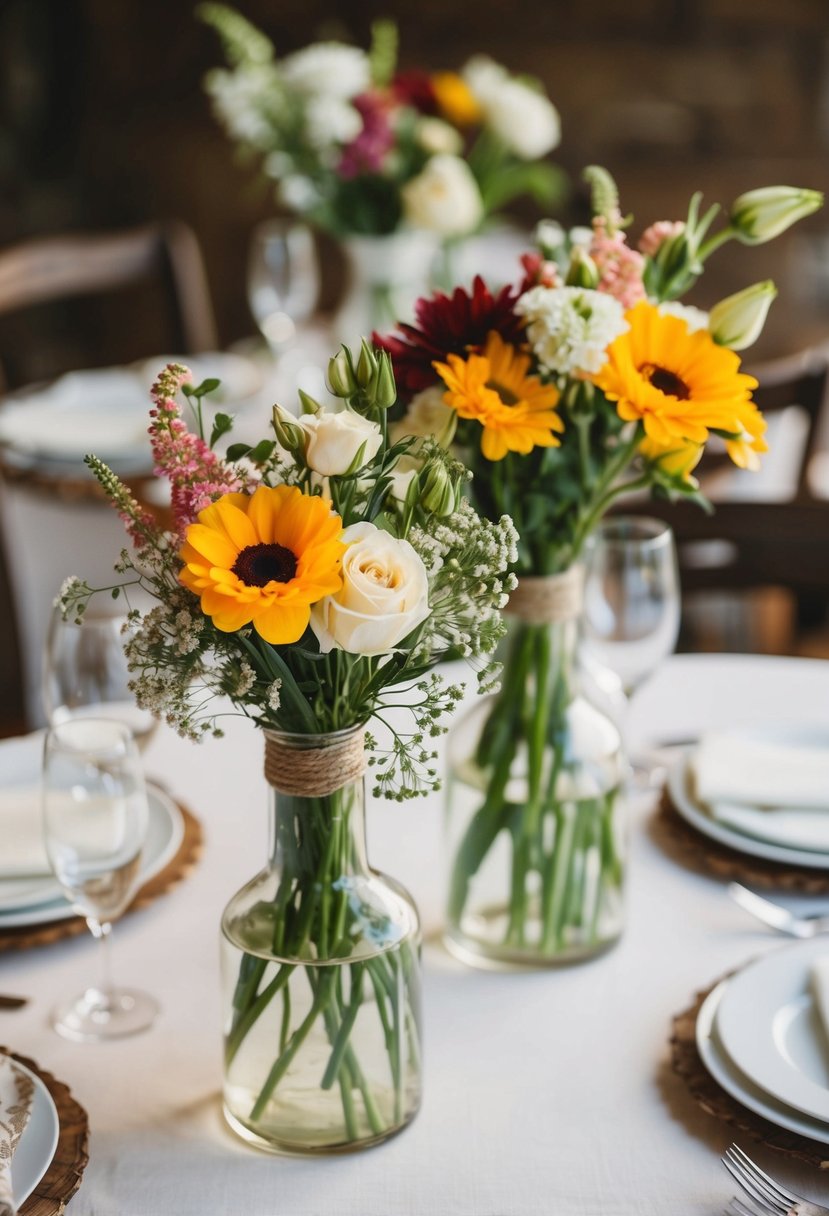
321, 968
535, 800
386, 275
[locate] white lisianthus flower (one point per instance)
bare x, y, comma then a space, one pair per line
444, 197
329, 69
402, 476
428, 415
436, 136
570, 328
384, 596
524, 118
694, 318
332, 441
330, 120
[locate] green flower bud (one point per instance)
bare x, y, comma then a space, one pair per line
583, 271
309, 405
383, 390
438, 493
366, 368
341, 379
738, 320
288, 434
761, 215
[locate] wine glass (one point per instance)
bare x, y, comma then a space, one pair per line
85, 674
282, 279
632, 602
95, 817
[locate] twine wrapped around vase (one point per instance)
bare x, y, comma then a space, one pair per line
313, 771
549, 598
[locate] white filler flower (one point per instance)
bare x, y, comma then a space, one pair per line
570, 328
522, 117
331, 69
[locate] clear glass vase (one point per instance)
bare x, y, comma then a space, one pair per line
386, 276
320, 969
535, 806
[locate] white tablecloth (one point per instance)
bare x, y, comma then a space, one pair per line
547, 1093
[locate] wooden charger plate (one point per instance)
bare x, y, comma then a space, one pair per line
22, 936
63, 1177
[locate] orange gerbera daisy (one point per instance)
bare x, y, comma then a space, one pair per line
515, 410
264, 559
681, 385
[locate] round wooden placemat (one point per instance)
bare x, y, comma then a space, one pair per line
63, 1177
709, 1094
179, 866
699, 852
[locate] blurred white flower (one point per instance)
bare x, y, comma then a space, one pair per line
237, 102
428, 415
330, 120
402, 475
298, 192
694, 318
330, 69
548, 234
570, 328
444, 197
523, 117
436, 136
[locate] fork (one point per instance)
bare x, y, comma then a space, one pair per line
775, 916
769, 1198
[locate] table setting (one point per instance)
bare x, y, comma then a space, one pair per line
395, 642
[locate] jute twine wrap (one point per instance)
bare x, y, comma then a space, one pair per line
314, 772
543, 601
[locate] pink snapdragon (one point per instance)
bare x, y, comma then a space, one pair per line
368, 150
655, 236
620, 267
196, 474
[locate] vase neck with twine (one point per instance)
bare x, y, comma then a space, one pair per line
316, 788
553, 603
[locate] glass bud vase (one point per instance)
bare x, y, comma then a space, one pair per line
535, 799
320, 967
386, 276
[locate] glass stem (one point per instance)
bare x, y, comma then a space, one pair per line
102, 930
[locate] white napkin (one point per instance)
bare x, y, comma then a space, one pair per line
103, 410
16, 1096
22, 852
819, 976
767, 788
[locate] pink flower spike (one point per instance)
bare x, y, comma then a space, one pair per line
657, 234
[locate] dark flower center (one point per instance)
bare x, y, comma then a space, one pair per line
666, 381
258, 565
507, 395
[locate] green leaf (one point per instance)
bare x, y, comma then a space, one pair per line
222, 423
237, 450
206, 386
262, 451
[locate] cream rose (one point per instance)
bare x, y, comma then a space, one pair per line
402, 476
332, 441
444, 197
428, 415
384, 596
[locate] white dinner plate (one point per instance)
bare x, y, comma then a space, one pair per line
103, 410
679, 787
726, 1073
240, 378
165, 832
769, 1024
37, 1144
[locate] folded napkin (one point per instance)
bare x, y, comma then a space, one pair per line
17, 1092
22, 852
767, 788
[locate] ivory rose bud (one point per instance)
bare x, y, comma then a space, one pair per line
332, 441
384, 596
444, 197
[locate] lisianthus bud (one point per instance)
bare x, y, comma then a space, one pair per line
366, 368
289, 434
582, 271
309, 404
738, 320
761, 215
383, 390
438, 494
340, 375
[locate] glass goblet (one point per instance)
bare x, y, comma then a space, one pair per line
95, 818
282, 279
85, 674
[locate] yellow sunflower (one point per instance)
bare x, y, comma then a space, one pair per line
264, 558
515, 410
681, 385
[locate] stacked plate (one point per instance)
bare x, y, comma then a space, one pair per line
761, 1036
29, 894
39, 1140
763, 791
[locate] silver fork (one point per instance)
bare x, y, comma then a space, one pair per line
768, 1197
774, 916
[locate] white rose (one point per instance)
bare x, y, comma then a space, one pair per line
428, 415
523, 117
332, 441
384, 596
328, 68
436, 136
444, 198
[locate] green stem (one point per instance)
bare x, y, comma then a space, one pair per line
283, 1062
